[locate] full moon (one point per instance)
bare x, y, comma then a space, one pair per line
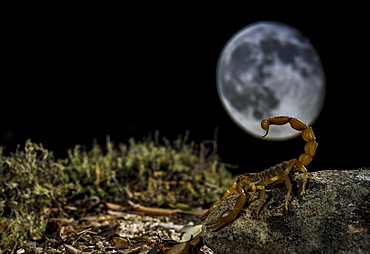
268, 69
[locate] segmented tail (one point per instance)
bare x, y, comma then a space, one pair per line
307, 134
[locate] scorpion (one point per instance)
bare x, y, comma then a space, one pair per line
268, 178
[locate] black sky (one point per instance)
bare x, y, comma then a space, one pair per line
73, 77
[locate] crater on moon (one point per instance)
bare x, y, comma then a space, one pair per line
268, 69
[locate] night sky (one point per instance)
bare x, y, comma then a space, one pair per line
73, 78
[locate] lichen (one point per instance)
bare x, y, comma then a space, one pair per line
311, 208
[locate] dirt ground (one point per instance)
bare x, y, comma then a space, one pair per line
112, 228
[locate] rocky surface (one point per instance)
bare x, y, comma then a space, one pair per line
333, 217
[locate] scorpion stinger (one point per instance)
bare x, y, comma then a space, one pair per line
269, 177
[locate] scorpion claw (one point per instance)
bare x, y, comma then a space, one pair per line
204, 216
226, 217
216, 225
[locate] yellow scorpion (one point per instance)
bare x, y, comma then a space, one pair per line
269, 177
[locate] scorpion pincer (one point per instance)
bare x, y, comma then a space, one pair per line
274, 175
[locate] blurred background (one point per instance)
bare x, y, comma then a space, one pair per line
73, 77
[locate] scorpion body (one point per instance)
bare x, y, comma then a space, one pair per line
269, 177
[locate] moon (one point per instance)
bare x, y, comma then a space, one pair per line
268, 69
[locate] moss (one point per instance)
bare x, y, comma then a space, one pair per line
32, 184
35, 186
150, 174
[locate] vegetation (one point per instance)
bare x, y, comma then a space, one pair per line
34, 186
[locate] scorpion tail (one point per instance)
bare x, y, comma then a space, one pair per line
307, 134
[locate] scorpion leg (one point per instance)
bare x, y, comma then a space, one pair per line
205, 215
275, 180
289, 187
287, 180
227, 193
229, 215
262, 198
303, 169
284, 177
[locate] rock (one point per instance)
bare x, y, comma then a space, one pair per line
333, 217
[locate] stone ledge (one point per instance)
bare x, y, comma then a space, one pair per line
333, 217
